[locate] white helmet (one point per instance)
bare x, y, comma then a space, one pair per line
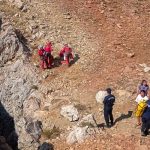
40, 47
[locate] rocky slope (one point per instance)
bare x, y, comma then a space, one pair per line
17, 80
109, 38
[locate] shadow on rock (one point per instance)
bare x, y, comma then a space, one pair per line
7, 128
46, 146
124, 116
24, 42
34, 128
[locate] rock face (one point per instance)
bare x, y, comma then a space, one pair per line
100, 96
70, 112
17, 78
8, 50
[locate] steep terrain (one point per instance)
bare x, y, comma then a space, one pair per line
110, 38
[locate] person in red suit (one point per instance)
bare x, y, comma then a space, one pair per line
43, 57
66, 54
48, 49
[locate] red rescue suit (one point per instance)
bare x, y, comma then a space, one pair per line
43, 58
66, 53
48, 49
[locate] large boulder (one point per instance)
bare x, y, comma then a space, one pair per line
100, 96
70, 112
79, 134
10, 46
34, 128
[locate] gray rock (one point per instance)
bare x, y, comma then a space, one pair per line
34, 128
70, 112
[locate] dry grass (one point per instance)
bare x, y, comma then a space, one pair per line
84, 124
35, 87
52, 134
8, 9
80, 107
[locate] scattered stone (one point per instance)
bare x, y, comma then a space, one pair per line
45, 75
130, 55
70, 112
67, 16
146, 69
25, 8
119, 26
143, 65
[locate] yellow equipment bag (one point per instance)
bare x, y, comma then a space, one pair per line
140, 108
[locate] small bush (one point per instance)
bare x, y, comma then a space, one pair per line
35, 87
84, 124
52, 134
80, 107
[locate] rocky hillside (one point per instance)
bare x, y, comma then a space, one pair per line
110, 40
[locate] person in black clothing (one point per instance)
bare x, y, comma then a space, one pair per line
108, 107
146, 118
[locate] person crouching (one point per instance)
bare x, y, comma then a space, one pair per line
48, 49
43, 57
66, 54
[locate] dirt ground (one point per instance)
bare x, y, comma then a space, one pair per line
112, 38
